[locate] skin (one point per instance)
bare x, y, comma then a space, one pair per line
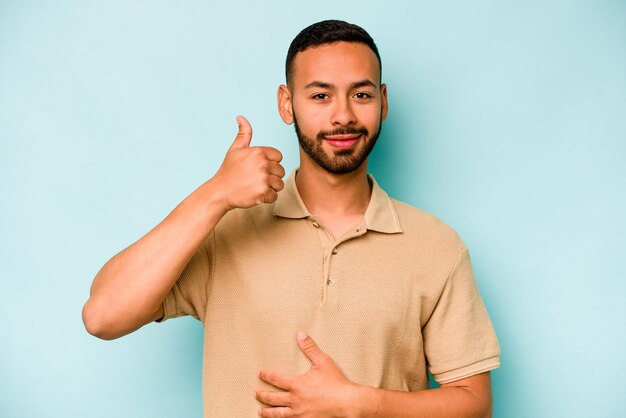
335, 88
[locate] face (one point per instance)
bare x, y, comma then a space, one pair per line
337, 104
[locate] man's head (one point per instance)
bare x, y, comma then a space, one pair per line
327, 32
334, 95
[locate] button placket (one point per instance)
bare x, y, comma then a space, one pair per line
327, 243
329, 246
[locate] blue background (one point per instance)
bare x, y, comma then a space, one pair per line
506, 121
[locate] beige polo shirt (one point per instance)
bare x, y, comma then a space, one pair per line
393, 298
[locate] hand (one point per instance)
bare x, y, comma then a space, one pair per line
323, 391
249, 175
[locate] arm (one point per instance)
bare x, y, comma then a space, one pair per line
325, 392
469, 397
129, 289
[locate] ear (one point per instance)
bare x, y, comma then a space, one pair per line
384, 104
285, 106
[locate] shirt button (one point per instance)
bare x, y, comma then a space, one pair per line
315, 224
334, 251
331, 282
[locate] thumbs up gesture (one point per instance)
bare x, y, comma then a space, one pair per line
249, 175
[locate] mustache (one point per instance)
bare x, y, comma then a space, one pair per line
343, 131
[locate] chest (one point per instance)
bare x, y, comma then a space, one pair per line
306, 276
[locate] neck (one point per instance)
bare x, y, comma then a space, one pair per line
327, 195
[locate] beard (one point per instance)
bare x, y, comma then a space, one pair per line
343, 161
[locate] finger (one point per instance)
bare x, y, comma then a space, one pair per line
276, 169
279, 380
273, 398
244, 136
310, 349
276, 183
269, 197
279, 412
272, 154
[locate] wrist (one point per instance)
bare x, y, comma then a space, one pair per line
214, 198
362, 402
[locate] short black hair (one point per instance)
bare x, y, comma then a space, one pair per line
327, 32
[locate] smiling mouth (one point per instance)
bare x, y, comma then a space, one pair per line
342, 141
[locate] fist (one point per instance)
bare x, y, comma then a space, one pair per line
249, 175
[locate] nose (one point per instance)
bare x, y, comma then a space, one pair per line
342, 113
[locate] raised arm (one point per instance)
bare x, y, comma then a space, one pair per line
129, 289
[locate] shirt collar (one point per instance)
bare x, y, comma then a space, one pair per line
289, 203
380, 216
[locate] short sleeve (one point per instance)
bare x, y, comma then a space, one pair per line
188, 296
459, 339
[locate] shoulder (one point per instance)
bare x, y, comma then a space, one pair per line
426, 230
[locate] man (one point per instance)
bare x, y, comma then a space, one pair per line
320, 296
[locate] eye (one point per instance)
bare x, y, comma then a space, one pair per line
320, 96
363, 95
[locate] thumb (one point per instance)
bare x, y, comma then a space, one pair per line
244, 136
310, 349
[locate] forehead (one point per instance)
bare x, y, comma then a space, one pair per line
338, 63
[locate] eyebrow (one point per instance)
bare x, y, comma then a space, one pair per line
329, 86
